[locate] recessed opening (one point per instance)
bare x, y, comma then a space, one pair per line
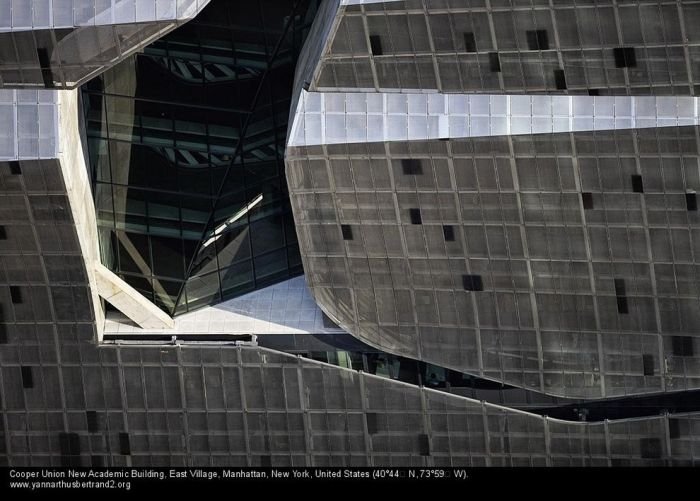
92, 422
620, 288
494, 62
27, 377
124, 444
674, 428
372, 424
621, 293
691, 201
682, 346
537, 40
15, 169
449, 233
3, 333
622, 305
594, 92
347, 231
16, 294
415, 216
3, 233
637, 184
587, 199
423, 445
472, 283
625, 57
648, 364
412, 166
469, 42
559, 79
375, 43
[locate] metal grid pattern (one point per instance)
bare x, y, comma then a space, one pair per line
558, 276
30, 124
254, 407
62, 43
52, 14
338, 117
491, 46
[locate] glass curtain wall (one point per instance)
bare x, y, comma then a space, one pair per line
186, 145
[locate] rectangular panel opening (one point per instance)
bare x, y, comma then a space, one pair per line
648, 364
472, 283
372, 424
594, 92
560, 79
423, 445
682, 346
622, 305
16, 294
415, 216
637, 183
621, 293
412, 166
691, 201
620, 288
537, 39
469, 42
449, 233
124, 444
92, 421
375, 43
674, 428
27, 377
3, 233
15, 169
494, 62
347, 231
3, 333
625, 57
587, 199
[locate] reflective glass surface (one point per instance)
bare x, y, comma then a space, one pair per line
186, 145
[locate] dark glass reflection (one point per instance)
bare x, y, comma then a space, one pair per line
186, 145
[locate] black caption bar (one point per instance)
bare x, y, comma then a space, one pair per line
128, 479
44, 480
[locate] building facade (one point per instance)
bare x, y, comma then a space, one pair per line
493, 205
506, 191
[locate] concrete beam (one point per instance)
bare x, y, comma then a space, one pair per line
129, 301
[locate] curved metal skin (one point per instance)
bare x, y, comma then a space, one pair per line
548, 242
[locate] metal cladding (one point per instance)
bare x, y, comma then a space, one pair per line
63, 43
228, 406
547, 240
